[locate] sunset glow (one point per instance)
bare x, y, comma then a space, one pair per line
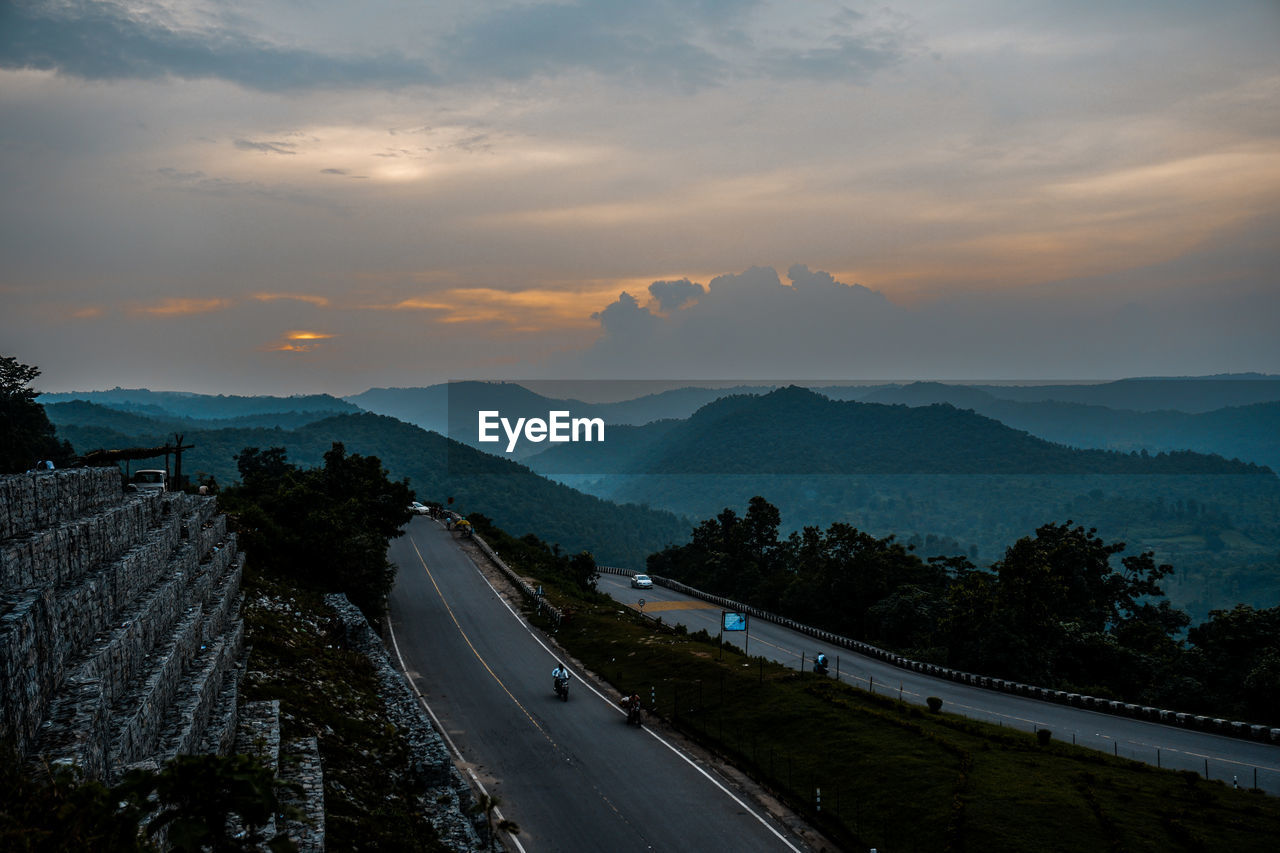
443, 189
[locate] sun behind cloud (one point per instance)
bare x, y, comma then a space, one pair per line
299, 341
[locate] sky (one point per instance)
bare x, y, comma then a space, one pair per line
302, 196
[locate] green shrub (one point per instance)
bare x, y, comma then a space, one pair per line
1043, 736
935, 704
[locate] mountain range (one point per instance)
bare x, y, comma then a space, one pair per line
952, 469
436, 467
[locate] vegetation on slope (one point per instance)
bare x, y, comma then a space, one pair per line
1062, 608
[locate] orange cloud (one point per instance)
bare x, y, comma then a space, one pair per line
533, 310
318, 301
299, 341
182, 307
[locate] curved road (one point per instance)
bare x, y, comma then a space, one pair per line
1228, 759
572, 774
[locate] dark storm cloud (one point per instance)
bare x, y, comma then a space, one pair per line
100, 41
673, 294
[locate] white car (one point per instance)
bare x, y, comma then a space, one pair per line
641, 582
419, 509
151, 480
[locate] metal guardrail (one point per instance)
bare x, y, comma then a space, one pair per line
1232, 728
557, 615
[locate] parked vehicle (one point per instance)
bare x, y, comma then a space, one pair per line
419, 509
151, 480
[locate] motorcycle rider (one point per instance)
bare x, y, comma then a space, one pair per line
820, 665
559, 674
632, 706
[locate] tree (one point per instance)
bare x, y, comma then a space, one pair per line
26, 434
328, 527
1239, 655
582, 569
1056, 606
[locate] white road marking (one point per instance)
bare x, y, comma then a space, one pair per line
674, 749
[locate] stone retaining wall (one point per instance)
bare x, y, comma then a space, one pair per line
446, 796
120, 630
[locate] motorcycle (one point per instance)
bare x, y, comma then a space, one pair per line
562, 689
820, 665
632, 707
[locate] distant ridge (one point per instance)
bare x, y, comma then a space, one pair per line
1194, 394
182, 404
794, 431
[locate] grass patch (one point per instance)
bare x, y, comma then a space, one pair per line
897, 777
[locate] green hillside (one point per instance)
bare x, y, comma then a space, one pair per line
436, 467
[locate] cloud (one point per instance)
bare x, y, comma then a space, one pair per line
104, 41
177, 307
311, 299
680, 45
636, 41
751, 325
198, 182
535, 310
299, 341
267, 147
625, 318
671, 295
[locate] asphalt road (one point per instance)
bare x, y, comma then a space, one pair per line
1227, 759
572, 775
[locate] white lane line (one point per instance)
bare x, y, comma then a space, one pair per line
453, 747
675, 749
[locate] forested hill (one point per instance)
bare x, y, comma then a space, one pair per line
1250, 432
185, 405
1184, 394
796, 431
437, 468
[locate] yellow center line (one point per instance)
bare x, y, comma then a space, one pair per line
475, 651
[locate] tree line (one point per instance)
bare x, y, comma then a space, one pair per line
1062, 609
